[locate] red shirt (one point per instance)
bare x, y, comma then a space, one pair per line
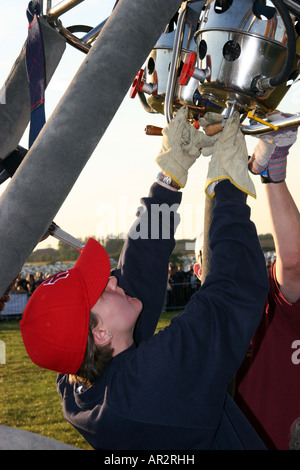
268, 382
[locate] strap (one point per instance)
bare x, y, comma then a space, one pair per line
35, 63
36, 72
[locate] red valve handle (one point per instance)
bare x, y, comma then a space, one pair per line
137, 84
188, 68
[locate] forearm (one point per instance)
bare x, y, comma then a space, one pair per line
143, 264
219, 321
237, 280
285, 220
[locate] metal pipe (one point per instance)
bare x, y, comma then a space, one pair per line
174, 63
266, 83
253, 129
49, 6
72, 39
292, 6
62, 8
84, 43
91, 35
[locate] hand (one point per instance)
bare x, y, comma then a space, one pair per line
210, 118
230, 159
181, 146
270, 154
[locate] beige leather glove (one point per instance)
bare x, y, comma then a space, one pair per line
181, 146
210, 118
230, 159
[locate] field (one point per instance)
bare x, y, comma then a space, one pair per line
28, 398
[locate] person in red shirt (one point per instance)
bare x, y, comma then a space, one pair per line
268, 382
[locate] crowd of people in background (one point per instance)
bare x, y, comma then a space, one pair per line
27, 284
181, 286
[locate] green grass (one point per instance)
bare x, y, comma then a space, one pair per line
28, 396
165, 319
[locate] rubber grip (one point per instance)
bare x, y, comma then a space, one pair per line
215, 128
153, 130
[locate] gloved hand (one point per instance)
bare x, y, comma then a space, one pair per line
229, 159
269, 158
181, 146
210, 118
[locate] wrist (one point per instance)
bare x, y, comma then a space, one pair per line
164, 185
167, 181
266, 178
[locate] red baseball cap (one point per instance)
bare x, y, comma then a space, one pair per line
55, 321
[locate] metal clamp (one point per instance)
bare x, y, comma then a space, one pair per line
257, 129
83, 44
284, 123
252, 115
56, 232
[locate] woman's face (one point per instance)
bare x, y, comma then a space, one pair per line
117, 314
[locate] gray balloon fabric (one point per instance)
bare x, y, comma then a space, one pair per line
15, 112
76, 126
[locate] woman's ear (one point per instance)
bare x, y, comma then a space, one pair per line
101, 336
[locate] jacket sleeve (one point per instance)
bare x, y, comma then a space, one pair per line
222, 316
238, 276
192, 361
143, 265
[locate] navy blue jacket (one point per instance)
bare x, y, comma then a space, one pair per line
169, 390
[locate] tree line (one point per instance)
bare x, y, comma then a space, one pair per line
113, 246
64, 252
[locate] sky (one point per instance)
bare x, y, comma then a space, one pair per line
104, 199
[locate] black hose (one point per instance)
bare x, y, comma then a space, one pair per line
291, 45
